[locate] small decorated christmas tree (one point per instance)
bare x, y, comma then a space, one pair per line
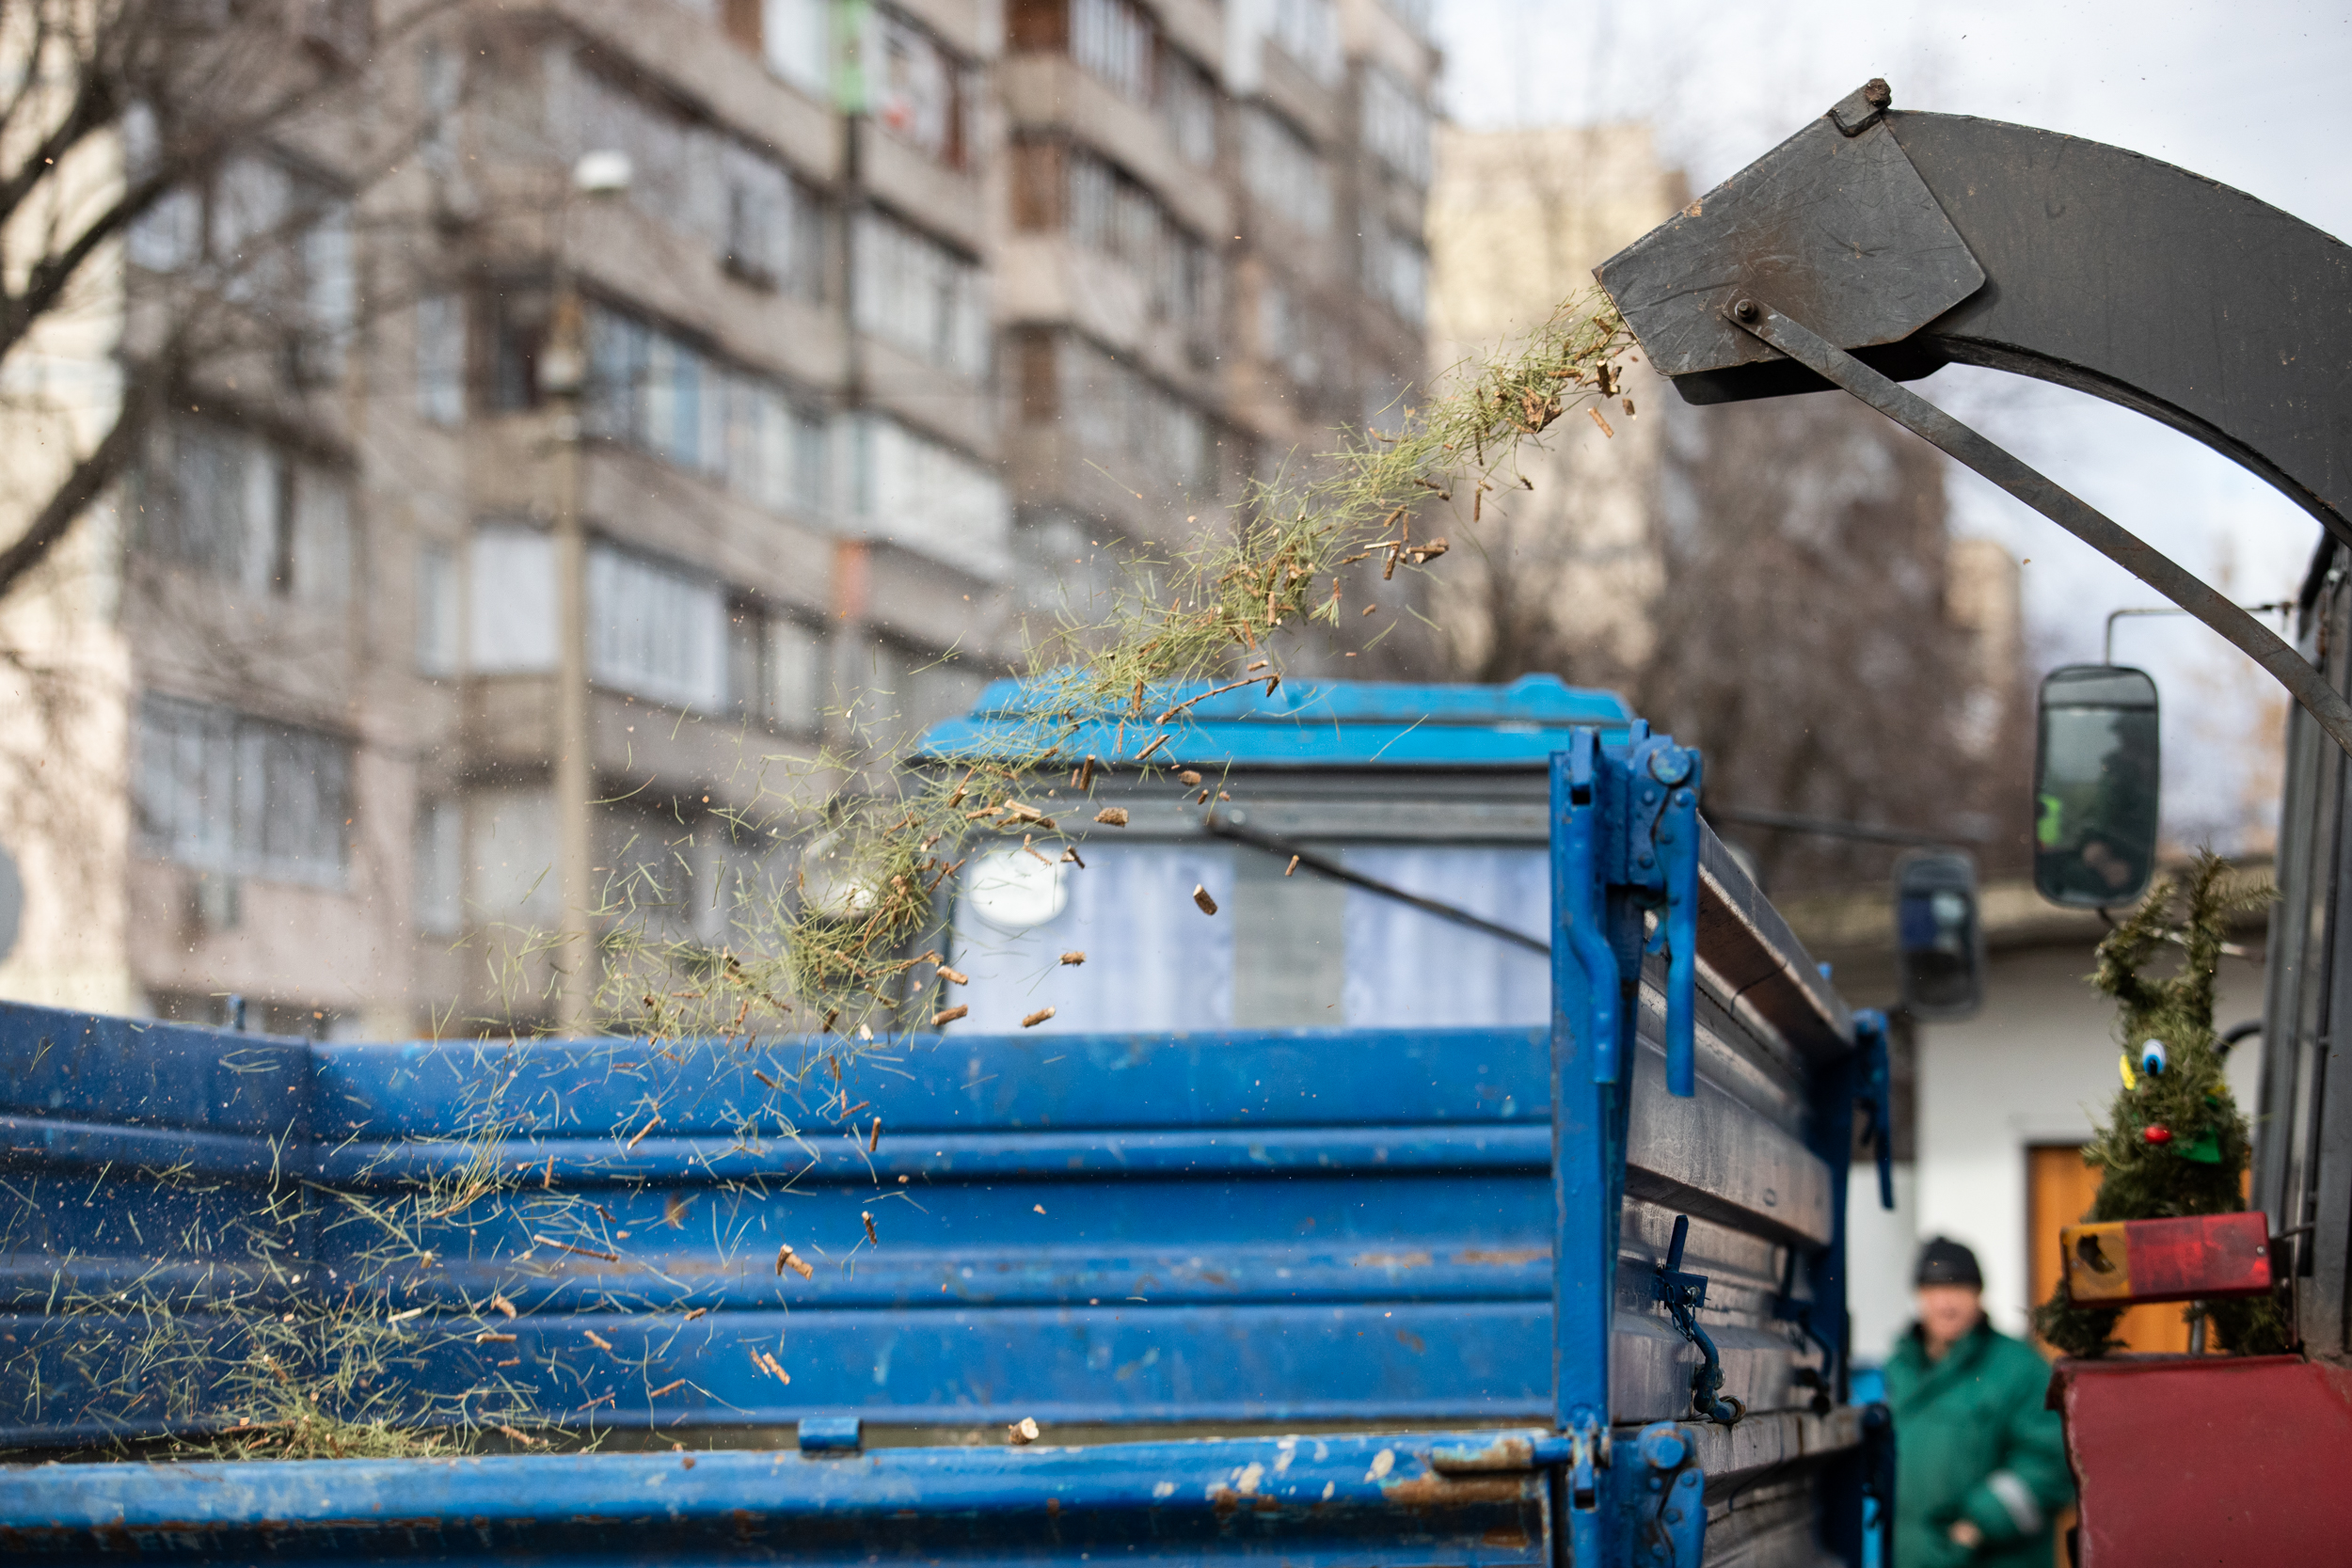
2175, 1143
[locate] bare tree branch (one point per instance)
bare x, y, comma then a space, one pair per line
104, 464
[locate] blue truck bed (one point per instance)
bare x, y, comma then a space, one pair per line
1422, 1265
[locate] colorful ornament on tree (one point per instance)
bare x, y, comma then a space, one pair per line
2174, 1144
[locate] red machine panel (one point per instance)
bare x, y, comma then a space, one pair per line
2212, 1460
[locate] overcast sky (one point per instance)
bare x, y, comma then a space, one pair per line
2252, 94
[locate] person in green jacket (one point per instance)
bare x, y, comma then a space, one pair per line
1980, 1462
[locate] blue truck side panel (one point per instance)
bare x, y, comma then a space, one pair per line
1297, 1225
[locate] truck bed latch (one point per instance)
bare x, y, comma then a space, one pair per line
1684, 1294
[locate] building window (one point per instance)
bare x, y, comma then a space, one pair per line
225, 502
1144, 436
1396, 126
440, 83
1287, 339
1114, 214
225, 792
654, 630
655, 391
772, 668
912, 491
439, 909
511, 856
1188, 108
918, 90
1119, 44
922, 296
747, 662
441, 359
1284, 173
266, 236
796, 662
1308, 32
760, 221
1396, 271
1420, 15
1112, 39
437, 601
515, 323
510, 626
796, 38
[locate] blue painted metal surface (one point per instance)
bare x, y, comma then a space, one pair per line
1291, 1226
1311, 725
1382, 1227
1340, 1498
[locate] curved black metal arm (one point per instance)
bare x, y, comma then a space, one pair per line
1918, 240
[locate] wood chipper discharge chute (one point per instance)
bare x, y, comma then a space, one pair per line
1876, 246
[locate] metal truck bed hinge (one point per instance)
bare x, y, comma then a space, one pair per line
1684, 1294
1662, 866
1653, 856
1662, 1499
1582, 913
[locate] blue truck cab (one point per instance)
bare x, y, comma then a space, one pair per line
1468, 1187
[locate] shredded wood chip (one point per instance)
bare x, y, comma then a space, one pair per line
788, 1259
1112, 817
954, 976
1073, 958
867, 1215
1023, 1431
1189, 778
946, 1016
1033, 1019
598, 1339
492, 1337
1293, 866
1201, 897
502, 1305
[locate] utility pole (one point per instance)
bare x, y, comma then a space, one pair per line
563, 377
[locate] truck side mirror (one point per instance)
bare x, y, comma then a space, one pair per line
1939, 938
2095, 786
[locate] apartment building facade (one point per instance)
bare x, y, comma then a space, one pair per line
706, 395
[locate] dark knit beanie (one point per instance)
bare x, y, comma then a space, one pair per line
1945, 1262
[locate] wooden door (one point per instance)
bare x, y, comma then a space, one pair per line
2058, 1191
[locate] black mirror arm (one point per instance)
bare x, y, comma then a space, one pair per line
2086, 523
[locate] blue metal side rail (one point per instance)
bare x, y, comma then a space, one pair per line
1406, 1228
